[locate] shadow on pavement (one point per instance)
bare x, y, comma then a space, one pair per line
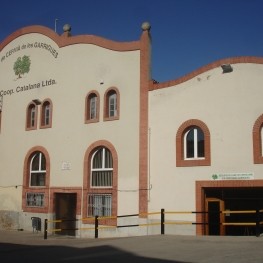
26, 253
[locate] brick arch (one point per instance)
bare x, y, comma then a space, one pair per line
86, 175
27, 188
180, 144
257, 140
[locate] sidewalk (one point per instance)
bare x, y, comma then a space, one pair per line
16, 245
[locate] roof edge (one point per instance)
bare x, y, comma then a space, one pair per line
233, 60
63, 40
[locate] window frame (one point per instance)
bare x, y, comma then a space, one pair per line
39, 171
181, 161
107, 105
46, 103
87, 189
88, 98
27, 188
102, 169
29, 118
195, 141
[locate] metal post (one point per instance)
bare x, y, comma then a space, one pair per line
45, 229
96, 226
162, 222
258, 223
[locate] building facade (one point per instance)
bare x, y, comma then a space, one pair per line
85, 131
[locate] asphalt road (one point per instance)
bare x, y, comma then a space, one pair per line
22, 246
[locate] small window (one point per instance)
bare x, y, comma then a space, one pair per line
35, 199
37, 170
99, 205
92, 107
112, 105
102, 168
31, 122
46, 114
193, 144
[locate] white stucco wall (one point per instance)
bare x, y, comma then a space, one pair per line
229, 104
76, 70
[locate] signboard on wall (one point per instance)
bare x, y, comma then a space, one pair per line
233, 176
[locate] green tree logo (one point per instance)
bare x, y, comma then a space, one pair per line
22, 66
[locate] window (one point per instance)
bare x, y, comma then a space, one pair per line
193, 144
92, 107
46, 114
35, 199
99, 204
31, 120
258, 140
36, 179
100, 181
37, 170
112, 104
101, 168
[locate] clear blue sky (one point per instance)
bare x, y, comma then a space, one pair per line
186, 34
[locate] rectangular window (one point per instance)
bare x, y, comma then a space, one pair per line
101, 179
99, 204
93, 105
37, 179
47, 114
113, 105
35, 199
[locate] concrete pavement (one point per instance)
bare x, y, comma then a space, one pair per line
27, 246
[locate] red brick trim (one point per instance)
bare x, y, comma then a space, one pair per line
27, 188
63, 41
257, 140
86, 178
145, 76
200, 196
180, 161
87, 107
218, 63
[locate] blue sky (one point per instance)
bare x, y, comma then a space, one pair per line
186, 34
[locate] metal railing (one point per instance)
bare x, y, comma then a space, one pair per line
94, 221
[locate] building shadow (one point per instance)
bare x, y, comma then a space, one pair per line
13, 253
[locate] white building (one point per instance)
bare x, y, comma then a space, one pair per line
85, 131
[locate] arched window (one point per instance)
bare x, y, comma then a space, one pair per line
46, 114
100, 204
111, 104
101, 168
31, 117
37, 171
100, 180
92, 107
193, 144
258, 140
36, 181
